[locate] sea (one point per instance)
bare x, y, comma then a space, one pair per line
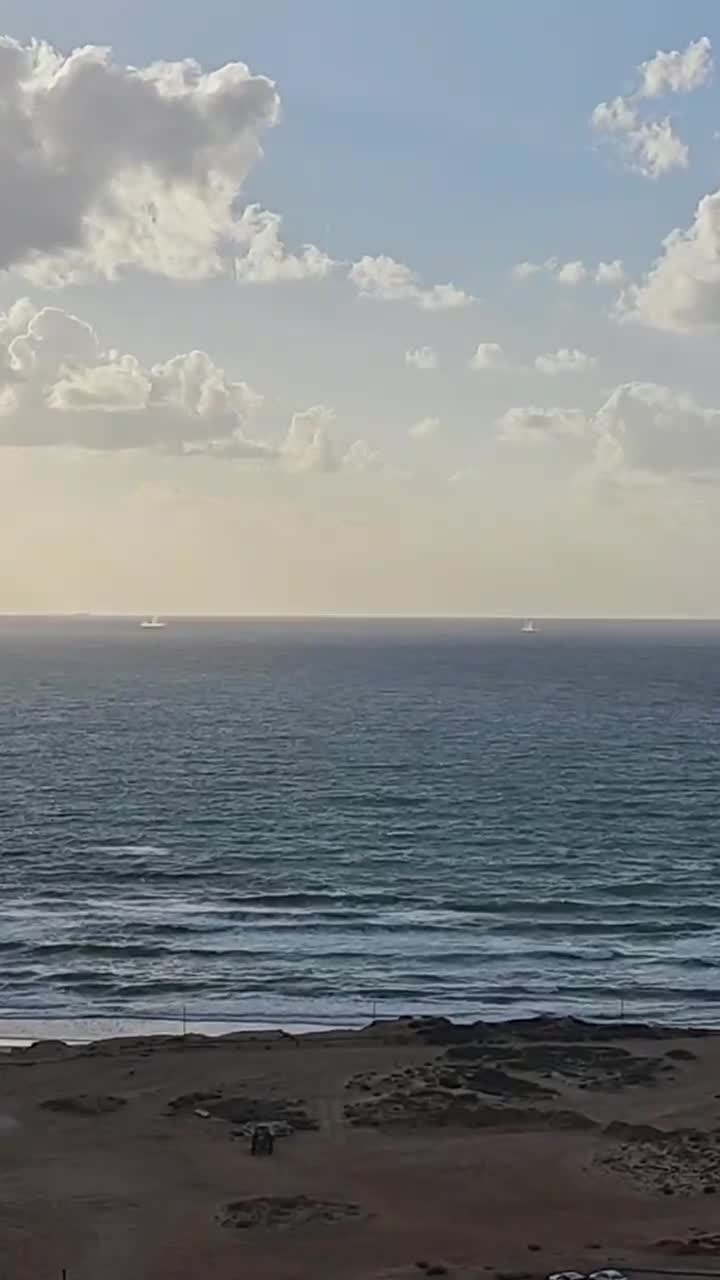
314, 823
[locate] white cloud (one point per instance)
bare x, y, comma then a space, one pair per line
266, 260
533, 425
106, 166
682, 290
565, 360
60, 388
644, 427
611, 273
648, 146
572, 273
488, 355
425, 428
362, 457
386, 280
311, 445
424, 358
675, 72
118, 386
525, 270
643, 433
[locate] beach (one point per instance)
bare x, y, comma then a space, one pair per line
496, 1150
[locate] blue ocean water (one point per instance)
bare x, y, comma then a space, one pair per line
311, 820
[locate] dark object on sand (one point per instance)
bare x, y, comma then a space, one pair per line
285, 1212
84, 1104
243, 1110
262, 1142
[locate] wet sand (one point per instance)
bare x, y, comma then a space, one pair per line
488, 1151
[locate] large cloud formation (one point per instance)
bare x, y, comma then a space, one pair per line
60, 388
682, 289
106, 167
643, 429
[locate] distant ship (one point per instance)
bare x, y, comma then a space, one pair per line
152, 624
528, 626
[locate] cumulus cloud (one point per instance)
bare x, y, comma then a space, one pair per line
106, 165
386, 280
572, 273
565, 360
64, 389
675, 72
536, 426
425, 428
424, 358
264, 258
488, 355
361, 457
311, 445
650, 146
612, 273
682, 289
60, 388
525, 270
643, 432
108, 168
644, 427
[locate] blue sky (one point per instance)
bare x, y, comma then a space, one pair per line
455, 139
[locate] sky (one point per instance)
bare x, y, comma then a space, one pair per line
352, 308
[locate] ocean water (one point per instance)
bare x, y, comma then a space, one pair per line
314, 821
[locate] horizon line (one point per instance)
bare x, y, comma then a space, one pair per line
180, 616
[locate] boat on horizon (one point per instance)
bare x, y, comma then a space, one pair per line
528, 626
153, 624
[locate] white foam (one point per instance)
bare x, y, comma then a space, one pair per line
18, 1032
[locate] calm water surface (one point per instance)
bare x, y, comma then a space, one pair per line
303, 820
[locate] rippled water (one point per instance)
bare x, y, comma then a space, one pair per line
305, 820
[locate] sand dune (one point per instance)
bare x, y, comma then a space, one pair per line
409, 1149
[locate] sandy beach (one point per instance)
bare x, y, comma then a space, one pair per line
487, 1151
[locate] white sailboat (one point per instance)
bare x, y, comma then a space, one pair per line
528, 626
152, 624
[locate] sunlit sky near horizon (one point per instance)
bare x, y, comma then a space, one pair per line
341, 307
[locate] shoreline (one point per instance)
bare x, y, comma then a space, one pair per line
107, 1029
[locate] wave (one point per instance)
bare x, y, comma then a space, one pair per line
624, 928
597, 954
